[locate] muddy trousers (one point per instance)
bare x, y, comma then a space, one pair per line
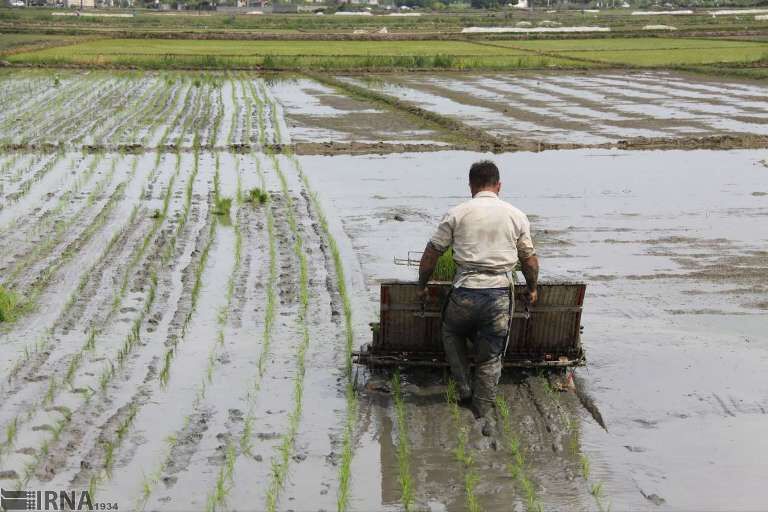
480, 317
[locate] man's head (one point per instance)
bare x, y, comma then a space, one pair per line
484, 176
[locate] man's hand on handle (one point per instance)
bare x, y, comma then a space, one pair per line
531, 296
426, 267
530, 269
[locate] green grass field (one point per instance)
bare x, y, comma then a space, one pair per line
260, 48
10, 42
326, 55
649, 51
397, 54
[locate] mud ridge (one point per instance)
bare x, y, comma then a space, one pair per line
737, 141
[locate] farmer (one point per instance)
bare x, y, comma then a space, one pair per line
489, 236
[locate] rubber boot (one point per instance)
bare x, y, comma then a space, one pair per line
487, 376
456, 354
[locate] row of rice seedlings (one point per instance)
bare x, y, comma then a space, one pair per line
60, 227
161, 110
89, 345
131, 339
36, 116
36, 103
517, 467
223, 315
9, 436
150, 481
95, 95
156, 93
113, 366
218, 496
135, 109
350, 392
49, 220
189, 119
213, 136
158, 220
44, 342
269, 319
28, 162
253, 100
462, 452
183, 111
25, 187
196, 287
201, 122
403, 446
110, 447
281, 461
595, 488
235, 113
170, 248
224, 479
44, 277
73, 117
42, 452
108, 113
249, 99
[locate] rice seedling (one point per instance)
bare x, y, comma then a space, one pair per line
223, 480
256, 196
517, 467
222, 206
445, 268
403, 445
9, 304
585, 466
281, 461
461, 452
10, 432
350, 394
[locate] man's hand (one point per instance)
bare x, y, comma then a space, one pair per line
530, 269
531, 296
427, 266
423, 294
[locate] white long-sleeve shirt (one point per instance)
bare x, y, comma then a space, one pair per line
488, 237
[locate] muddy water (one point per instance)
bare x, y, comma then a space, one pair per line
591, 109
672, 246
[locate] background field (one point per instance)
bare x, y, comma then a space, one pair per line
382, 55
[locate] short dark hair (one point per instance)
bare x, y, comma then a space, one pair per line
483, 174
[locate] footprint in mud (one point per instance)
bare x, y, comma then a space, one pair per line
646, 423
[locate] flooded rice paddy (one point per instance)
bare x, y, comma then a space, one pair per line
179, 353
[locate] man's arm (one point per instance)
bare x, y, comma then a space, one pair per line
427, 265
530, 269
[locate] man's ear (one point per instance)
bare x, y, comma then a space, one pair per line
498, 188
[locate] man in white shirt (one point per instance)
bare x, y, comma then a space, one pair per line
489, 236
